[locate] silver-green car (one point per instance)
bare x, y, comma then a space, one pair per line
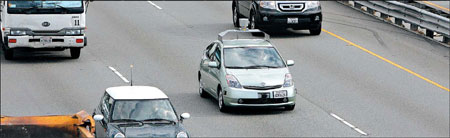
246, 72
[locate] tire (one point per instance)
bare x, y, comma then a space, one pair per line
316, 31
9, 54
201, 91
289, 107
252, 24
222, 106
236, 16
75, 53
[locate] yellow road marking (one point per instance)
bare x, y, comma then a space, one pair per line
435, 5
387, 60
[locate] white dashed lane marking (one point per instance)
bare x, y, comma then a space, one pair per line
118, 74
154, 4
349, 125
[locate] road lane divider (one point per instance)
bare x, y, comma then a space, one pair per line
349, 125
118, 74
154, 5
387, 60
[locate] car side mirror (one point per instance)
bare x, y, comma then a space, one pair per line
98, 117
185, 116
213, 64
290, 62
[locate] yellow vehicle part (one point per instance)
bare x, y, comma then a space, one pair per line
78, 125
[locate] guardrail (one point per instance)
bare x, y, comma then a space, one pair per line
403, 13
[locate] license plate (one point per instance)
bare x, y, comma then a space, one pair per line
292, 20
279, 94
46, 40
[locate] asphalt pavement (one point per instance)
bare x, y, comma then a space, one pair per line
388, 86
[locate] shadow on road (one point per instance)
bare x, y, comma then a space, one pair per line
30, 56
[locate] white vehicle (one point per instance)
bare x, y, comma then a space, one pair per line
43, 25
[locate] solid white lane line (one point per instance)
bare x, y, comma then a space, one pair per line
118, 74
348, 124
154, 4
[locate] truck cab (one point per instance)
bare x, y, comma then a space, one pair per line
43, 25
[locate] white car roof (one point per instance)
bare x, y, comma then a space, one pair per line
135, 92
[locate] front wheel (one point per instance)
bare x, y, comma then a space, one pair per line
75, 53
201, 91
289, 107
222, 106
316, 31
236, 16
9, 54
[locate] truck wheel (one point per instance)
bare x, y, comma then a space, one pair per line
75, 53
9, 54
316, 31
236, 16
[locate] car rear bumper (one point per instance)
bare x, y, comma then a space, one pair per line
253, 97
34, 42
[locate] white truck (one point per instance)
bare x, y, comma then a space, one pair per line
43, 25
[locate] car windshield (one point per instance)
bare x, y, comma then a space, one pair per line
143, 110
252, 57
45, 7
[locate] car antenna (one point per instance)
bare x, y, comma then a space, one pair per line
131, 80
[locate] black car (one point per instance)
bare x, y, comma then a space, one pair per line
137, 111
265, 15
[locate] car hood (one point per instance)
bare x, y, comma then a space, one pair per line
150, 130
255, 77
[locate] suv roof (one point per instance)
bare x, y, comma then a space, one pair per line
135, 92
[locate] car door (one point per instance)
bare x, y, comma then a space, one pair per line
101, 127
215, 72
244, 7
205, 68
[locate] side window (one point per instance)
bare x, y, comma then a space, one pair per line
217, 55
211, 51
105, 105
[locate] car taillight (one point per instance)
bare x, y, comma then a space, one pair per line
79, 40
12, 40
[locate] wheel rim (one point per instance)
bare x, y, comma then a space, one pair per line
252, 22
200, 87
234, 16
220, 99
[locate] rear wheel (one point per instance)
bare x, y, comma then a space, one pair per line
222, 106
75, 53
9, 54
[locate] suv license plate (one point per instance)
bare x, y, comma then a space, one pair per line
46, 40
292, 20
279, 94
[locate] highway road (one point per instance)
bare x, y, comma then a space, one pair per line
438, 5
359, 72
